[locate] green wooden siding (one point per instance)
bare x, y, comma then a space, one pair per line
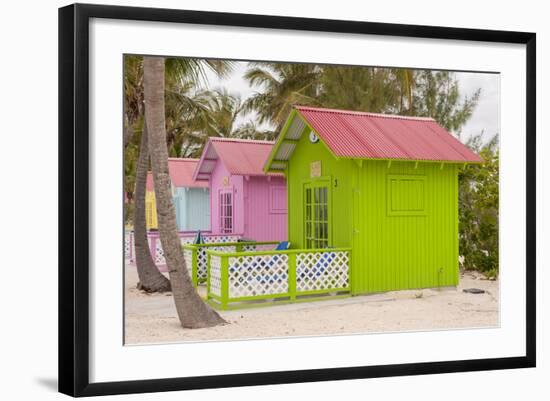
400, 218
336, 172
415, 246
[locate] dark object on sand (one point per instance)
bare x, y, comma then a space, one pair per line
473, 291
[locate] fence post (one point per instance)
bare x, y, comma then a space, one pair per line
207, 276
195, 270
225, 281
350, 275
131, 240
292, 276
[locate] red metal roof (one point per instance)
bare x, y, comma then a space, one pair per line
181, 174
239, 156
382, 136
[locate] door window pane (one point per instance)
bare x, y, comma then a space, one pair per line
316, 217
226, 212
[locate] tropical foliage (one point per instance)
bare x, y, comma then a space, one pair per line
188, 109
478, 200
281, 85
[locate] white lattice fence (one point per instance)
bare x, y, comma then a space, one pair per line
257, 275
187, 240
202, 258
258, 247
317, 271
158, 254
216, 275
188, 256
128, 245
221, 238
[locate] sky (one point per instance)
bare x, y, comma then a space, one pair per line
486, 116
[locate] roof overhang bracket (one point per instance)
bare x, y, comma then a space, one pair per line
416, 165
359, 162
442, 164
389, 163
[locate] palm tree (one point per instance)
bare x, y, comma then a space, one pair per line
344, 87
133, 95
282, 85
150, 278
188, 114
219, 120
357, 88
184, 110
226, 111
405, 81
192, 311
249, 130
136, 163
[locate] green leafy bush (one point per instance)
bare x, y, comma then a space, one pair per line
478, 209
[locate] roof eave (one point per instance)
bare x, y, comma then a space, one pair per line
280, 139
415, 160
197, 172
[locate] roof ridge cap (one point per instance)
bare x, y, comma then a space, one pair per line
363, 113
241, 140
183, 159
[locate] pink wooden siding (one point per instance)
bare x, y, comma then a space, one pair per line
259, 204
265, 208
259, 200
221, 180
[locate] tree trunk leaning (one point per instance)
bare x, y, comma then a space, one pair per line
150, 278
192, 311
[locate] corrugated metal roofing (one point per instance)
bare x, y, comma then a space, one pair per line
181, 174
239, 156
363, 135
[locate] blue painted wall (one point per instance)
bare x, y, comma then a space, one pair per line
192, 208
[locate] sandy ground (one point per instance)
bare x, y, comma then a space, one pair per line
153, 318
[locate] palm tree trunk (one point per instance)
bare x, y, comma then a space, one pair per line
128, 132
150, 278
192, 311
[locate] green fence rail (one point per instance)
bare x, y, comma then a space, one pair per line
235, 278
196, 258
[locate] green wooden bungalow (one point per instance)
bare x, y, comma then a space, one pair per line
385, 186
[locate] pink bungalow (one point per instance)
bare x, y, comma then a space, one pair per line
243, 199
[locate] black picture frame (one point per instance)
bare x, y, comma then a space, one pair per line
74, 198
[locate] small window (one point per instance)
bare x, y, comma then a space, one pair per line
277, 199
406, 195
226, 212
